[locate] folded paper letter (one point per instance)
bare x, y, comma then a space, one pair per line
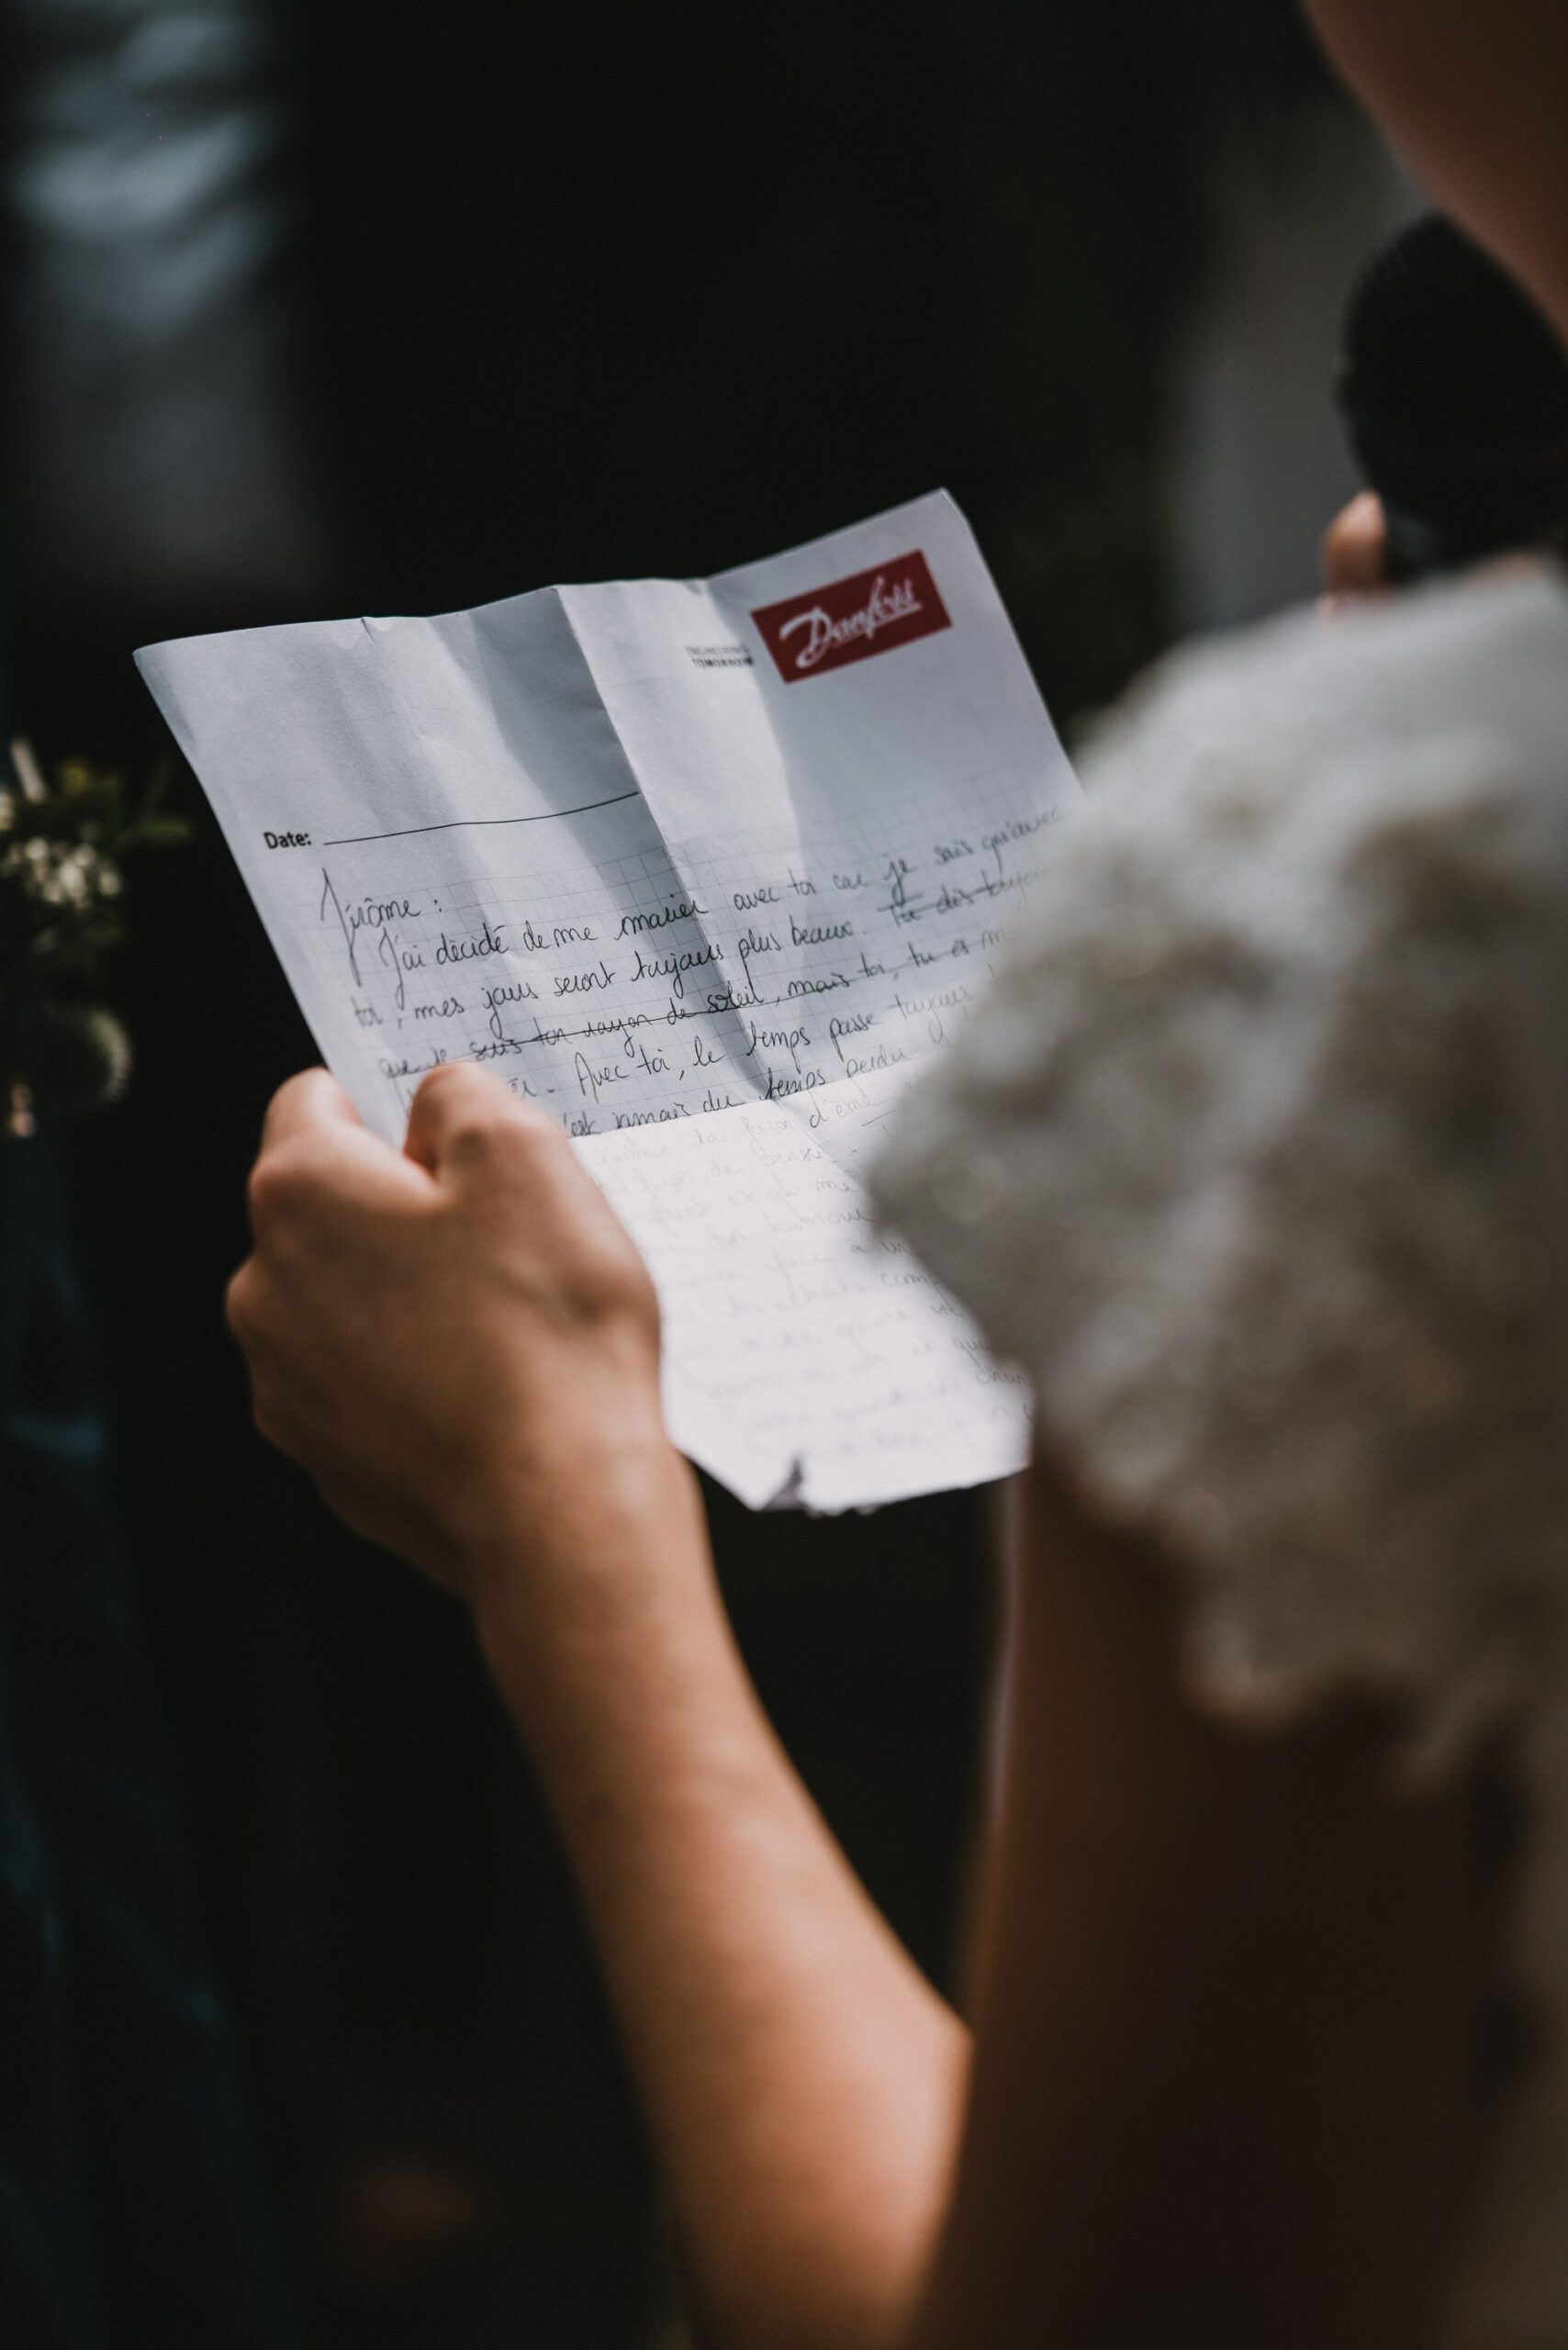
704, 867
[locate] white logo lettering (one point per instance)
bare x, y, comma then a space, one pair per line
881, 609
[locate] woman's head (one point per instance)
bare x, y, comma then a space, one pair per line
1475, 92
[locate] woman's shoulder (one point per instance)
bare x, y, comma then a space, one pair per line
1256, 1156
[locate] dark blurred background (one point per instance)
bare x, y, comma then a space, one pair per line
338, 308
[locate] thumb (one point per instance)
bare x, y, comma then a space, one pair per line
460, 1105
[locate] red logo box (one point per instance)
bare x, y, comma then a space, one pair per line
852, 618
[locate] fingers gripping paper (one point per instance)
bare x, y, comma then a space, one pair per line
703, 868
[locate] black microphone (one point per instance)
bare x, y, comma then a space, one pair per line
1453, 391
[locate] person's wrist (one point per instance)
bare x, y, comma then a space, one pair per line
589, 1527
603, 1594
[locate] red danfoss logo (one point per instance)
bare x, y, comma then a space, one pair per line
852, 618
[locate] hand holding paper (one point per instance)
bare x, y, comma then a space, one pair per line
714, 857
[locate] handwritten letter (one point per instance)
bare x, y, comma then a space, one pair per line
811, 1359
713, 856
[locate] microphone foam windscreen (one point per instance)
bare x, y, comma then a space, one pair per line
1444, 350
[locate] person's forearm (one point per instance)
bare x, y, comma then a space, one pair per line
803, 2083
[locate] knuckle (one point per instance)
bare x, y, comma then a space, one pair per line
266, 1189
261, 1195
293, 1090
278, 1185
238, 1301
473, 1110
455, 1095
476, 1133
509, 1141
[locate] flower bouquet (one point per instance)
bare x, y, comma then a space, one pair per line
62, 847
